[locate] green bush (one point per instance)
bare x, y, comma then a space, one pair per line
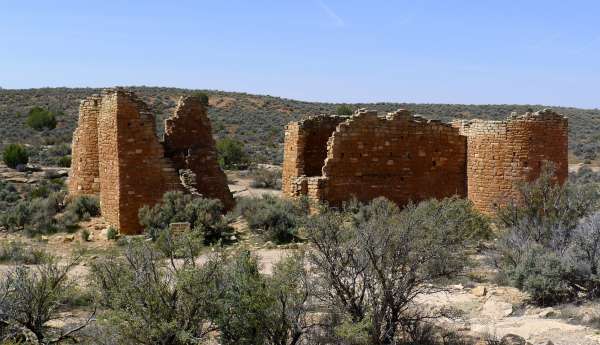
86, 235
64, 161
40, 119
203, 97
204, 215
84, 207
14, 155
112, 233
275, 218
231, 154
344, 110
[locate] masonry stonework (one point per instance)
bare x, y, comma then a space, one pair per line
407, 158
85, 176
503, 154
134, 167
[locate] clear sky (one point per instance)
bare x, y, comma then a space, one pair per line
443, 51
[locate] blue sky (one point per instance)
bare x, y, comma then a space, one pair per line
444, 51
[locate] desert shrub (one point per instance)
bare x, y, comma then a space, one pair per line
30, 297
35, 216
40, 119
112, 233
344, 110
373, 261
15, 155
64, 161
204, 215
84, 207
545, 248
275, 218
231, 154
9, 195
252, 308
265, 178
148, 301
17, 252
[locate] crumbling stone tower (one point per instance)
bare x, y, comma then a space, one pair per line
503, 154
130, 167
406, 158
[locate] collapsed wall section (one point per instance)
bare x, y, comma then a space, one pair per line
503, 154
189, 144
132, 164
305, 150
85, 175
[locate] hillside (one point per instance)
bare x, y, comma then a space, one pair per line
256, 120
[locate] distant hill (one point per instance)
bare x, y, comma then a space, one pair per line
258, 120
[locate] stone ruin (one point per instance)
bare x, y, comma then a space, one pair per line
117, 155
407, 158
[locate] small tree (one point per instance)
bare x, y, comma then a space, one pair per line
14, 155
40, 119
231, 154
344, 110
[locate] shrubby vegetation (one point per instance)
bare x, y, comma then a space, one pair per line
231, 154
373, 261
15, 155
42, 210
548, 243
370, 264
204, 215
344, 109
265, 178
275, 218
32, 296
41, 119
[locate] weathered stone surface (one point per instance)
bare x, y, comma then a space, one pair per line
400, 157
190, 146
85, 173
503, 154
406, 158
117, 155
496, 309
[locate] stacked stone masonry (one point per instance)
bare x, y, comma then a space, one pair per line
115, 146
407, 158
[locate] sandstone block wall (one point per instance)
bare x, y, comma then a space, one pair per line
189, 144
503, 154
406, 158
305, 149
133, 167
85, 174
400, 157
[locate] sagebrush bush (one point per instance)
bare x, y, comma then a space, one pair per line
39, 119
112, 233
18, 252
374, 261
265, 178
15, 155
204, 215
64, 161
276, 218
84, 207
547, 247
